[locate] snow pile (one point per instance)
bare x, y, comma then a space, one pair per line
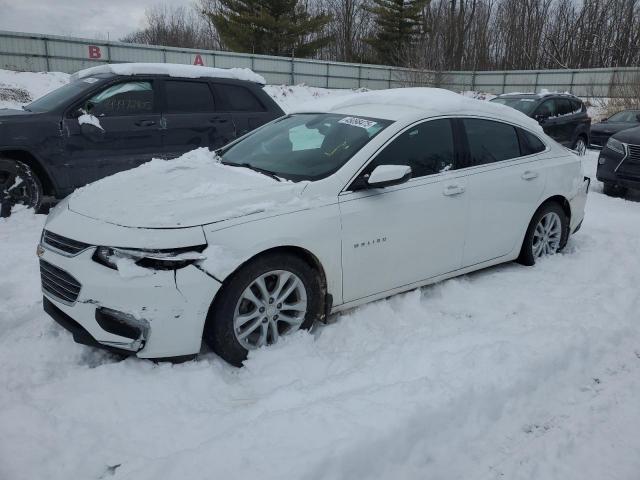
290, 97
20, 88
193, 189
511, 372
171, 69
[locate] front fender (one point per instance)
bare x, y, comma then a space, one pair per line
315, 230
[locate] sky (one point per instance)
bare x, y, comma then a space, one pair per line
80, 18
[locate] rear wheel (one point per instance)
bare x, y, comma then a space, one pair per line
581, 145
19, 185
270, 297
613, 190
547, 234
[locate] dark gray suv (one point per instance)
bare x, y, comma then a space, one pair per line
104, 123
562, 116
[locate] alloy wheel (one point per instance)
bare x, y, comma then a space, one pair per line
581, 146
274, 304
547, 235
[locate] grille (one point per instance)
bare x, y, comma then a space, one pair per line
63, 244
634, 153
58, 283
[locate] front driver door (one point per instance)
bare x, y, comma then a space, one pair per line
126, 134
396, 236
547, 115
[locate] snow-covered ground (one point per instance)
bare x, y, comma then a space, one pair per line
508, 373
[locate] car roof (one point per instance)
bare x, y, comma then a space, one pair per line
172, 70
414, 103
541, 95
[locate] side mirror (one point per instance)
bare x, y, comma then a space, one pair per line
388, 175
92, 132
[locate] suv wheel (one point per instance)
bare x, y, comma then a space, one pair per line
581, 145
613, 190
547, 234
19, 185
270, 297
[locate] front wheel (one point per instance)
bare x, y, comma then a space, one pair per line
19, 185
547, 234
268, 298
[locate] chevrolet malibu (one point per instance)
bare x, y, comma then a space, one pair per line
332, 206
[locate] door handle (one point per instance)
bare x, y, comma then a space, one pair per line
145, 123
529, 175
451, 190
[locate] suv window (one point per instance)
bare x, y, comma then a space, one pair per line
188, 97
529, 143
547, 109
563, 106
576, 106
427, 148
239, 99
491, 141
129, 98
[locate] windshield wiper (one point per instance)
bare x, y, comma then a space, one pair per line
263, 171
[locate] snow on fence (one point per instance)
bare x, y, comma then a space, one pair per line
33, 52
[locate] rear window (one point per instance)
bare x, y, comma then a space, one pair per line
529, 143
189, 97
239, 99
491, 141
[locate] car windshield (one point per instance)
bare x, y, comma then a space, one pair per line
525, 105
304, 146
628, 116
60, 96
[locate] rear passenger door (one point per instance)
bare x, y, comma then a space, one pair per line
191, 119
246, 108
505, 183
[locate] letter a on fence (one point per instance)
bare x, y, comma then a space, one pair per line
198, 60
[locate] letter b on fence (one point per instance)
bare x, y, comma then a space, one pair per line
94, 52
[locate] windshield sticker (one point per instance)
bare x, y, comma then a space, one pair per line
358, 122
90, 80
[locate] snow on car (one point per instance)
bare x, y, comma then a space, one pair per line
422, 184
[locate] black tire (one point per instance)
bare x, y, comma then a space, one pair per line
580, 145
613, 190
219, 330
526, 252
19, 185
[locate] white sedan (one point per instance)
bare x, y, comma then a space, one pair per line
316, 212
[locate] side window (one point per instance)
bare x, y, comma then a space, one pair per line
564, 107
427, 148
491, 141
188, 97
576, 106
129, 98
547, 109
529, 143
239, 99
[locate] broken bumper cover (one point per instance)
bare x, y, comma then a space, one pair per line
158, 315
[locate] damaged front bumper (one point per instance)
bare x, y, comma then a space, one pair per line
158, 315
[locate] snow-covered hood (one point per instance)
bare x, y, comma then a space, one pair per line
192, 190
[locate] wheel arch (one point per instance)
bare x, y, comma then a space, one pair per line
307, 256
562, 201
28, 158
